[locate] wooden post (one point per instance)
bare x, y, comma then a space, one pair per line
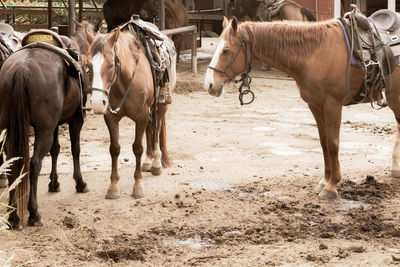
71, 17
392, 5
194, 51
162, 15
50, 13
80, 10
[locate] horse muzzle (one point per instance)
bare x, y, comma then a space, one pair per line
99, 102
215, 90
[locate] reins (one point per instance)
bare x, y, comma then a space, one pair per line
245, 77
114, 80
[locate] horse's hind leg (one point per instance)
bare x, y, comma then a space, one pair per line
43, 143
113, 128
396, 152
3, 176
149, 149
75, 127
138, 151
54, 185
318, 114
394, 104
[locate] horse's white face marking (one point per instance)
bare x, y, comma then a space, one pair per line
215, 87
98, 100
214, 61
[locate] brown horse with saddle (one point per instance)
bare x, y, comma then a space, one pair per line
43, 85
130, 67
330, 67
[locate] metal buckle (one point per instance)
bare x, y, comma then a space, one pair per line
370, 63
394, 38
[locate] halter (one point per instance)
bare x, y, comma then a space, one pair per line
113, 81
245, 78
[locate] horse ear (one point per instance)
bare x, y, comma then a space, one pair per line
77, 24
89, 36
234, 23
225, 22
114, 37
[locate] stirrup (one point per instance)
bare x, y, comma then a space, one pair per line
165, 98
382, 102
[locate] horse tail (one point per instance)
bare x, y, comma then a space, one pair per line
308, 14
18, 134
165, 159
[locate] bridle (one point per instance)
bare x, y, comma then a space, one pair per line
244, 77
114, 79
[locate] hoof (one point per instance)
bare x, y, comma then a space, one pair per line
113, 194
82, 188
35, 221
3, 182
156, 171
54, 188
320, 186
138, 193
14, 222
146, 167
395, 173
328, 194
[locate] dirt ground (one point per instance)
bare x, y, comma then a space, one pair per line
240, 192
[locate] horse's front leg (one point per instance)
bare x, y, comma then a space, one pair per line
54, 185
112, 123
138, 151
75, 127
319, 116
333, 116
43, 143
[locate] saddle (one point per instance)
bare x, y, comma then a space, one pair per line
376, 48
61, 45
269, 8
160, 51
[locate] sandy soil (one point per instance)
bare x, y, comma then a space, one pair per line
240, 192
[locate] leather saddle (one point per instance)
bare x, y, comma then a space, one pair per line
379, 35
61, 45
162, 48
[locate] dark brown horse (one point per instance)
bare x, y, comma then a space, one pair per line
118, 12
37, 90
122, 78
256, 10
315, 55
176, 16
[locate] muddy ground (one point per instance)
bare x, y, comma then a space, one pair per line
240, 192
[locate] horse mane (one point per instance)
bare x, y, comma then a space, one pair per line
296, 39
79, 38
127, 48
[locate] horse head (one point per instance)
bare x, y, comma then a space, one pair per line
81, 40
106, 68
230, 58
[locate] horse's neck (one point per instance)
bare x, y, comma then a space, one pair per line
285, 47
